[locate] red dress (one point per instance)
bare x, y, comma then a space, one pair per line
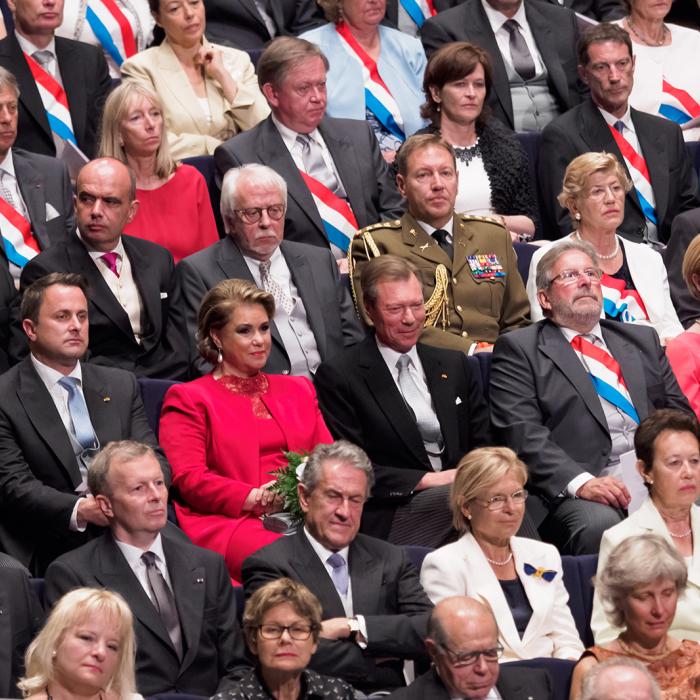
222, 443
176, 215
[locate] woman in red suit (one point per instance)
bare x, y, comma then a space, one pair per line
226, 432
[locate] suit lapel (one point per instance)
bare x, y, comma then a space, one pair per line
542, 32
41, 411
148, 285
31, 188
464, 244
654, 152
73, 78
366, 579
97, 394
421, 244
312, 573
552, 343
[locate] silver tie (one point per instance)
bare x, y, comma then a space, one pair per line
270, 284
312, 157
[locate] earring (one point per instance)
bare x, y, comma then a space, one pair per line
469, 517
219, 356
577, 216
53, 654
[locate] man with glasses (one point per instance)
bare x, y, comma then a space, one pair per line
314, 316
463, 644
568, 393
374, 609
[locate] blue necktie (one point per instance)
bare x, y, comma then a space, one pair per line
82, 426
340, 573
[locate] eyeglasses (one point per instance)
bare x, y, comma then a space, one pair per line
567, 277
498, 502
252, 215
460, 659
298, 632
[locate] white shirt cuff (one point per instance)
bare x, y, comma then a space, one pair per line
73, 525
362, 636
577, 482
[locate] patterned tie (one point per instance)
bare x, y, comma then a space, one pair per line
519, 53
110, 260
44, 59
80, 418
164, 601
426, 420
339, 573
440, 235
620, 126
314, 165
6, 194
270, 284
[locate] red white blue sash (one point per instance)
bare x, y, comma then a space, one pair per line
53, 97
20, 244
112, 29
677, 104
640, 175
621, 303
378, 98
338, 220
419, 10
606, 375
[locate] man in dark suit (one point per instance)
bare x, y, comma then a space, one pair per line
35, 189
684, 228
463, 644
187, 635
13, 341
532, 50
21, 617
415, 422
605, 122
129, 278
599, 10
242, 24
567, 394
79, 71
317, 325
374, 609
341, 156
55, 412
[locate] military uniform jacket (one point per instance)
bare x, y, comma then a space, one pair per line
474, 297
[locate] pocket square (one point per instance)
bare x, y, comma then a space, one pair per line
458, 401
163, 295
51, 212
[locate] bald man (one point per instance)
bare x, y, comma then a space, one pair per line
129, 278
463, 645
620, 679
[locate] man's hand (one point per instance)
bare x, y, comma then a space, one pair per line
89, 512
606, 490
432, 479
335, 628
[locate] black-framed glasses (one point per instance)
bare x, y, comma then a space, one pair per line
298, 631
252, 215
498, 502
567, 277
460, 659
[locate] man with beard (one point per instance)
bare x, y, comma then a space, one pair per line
568, 393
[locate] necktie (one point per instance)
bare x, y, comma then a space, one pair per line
339, 573
163, 600
426, 420
519, 53
440, 235
79, 416
6, 194
605, 373
312, 157
111, 261
619, 126
44, 59
282, 299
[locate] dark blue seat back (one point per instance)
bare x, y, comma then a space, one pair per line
559, 671
416, 553
207, 167
524, 251
153, 392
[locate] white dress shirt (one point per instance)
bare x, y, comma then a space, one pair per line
10, 183
133, 559
29, 48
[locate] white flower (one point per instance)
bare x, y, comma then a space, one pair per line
300, 469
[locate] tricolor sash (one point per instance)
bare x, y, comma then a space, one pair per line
621, 303
20, 244
378, 98
640, 174
677, 104
606, 375
338, 220
53, 97
112, 29
419, 10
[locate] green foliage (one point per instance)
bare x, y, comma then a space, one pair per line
286, 484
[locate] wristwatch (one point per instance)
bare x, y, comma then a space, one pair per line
354, 628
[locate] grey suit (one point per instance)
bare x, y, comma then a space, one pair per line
214, 651
327, 301
385, 590
358, 160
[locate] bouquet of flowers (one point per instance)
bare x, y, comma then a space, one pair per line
287, 478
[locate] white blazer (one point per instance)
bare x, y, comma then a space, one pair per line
686, 624
461, 568
649, 276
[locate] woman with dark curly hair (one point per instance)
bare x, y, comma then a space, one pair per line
492, 164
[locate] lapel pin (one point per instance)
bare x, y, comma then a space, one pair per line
199, 580
443, 375
106, 399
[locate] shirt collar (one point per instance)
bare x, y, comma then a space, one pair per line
133, 554
276, 255
498, 19
97, 254
391, 356
7, 165
322, 551
610, 119
570, 334
289, 136
29, 48
50, 376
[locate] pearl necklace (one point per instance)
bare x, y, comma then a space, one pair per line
600, 255
643, 39
500, 563
651, 657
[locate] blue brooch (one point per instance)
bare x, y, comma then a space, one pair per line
540, 572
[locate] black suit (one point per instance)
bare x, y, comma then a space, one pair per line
327, 301
601, 10
112, 340
38, 468
583, 129
86, 82
555, 32
358, 160
21, 617
238, 23
13, 341
685, 227
361, 403
385, 589
212, 640
512, 684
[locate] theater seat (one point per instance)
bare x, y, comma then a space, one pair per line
559, 671
206, 166
153, 392
416, 553
524, 251
578, 574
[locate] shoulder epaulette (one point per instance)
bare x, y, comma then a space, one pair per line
394, 223
488, 219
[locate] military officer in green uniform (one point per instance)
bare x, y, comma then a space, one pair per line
471, 285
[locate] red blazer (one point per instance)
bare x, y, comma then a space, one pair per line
209, 435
